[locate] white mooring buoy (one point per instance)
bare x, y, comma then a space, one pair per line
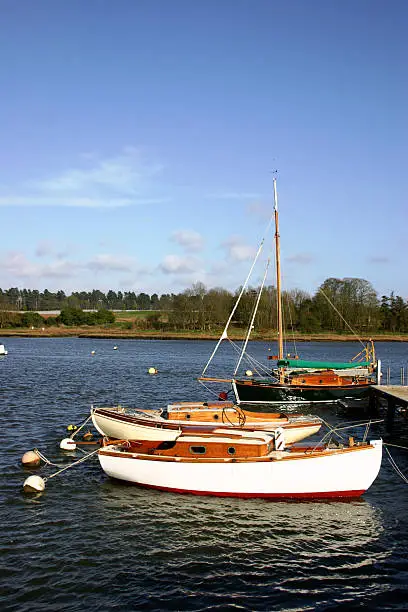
31, 459
92, 352
68, 444
152, 371
115, 348
34, 484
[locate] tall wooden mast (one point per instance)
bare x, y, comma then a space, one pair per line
278, 272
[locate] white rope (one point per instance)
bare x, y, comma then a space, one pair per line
72, 464
79, 429
251, 323
335, 430
224, 333
44, 458
395, 466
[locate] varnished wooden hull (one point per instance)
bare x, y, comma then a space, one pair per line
123, 426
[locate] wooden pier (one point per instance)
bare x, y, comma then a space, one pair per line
394, 395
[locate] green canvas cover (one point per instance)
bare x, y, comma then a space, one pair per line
322, 365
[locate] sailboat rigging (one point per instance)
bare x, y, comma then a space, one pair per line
294, 380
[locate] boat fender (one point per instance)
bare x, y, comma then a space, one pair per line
279, 439
34, 484
67, 444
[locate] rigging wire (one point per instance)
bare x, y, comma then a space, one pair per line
342, 318
291, 322
252, 320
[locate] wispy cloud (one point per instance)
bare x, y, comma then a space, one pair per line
379, 259
121, 180
188, 239
303, 259
263, 212
44, 248
234, 195
237, 250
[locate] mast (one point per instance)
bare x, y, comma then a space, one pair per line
278, 275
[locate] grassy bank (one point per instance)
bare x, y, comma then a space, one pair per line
117, 333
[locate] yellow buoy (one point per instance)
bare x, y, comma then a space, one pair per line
249, 373
31, 459
92, 352
72, 427
152, 371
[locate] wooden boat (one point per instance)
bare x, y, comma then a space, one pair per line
294, 380
244, 464
133, 424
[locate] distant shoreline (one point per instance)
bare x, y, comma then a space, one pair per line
102, 333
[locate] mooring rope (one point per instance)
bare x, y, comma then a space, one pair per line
394, 465
79, 428
81, 460
44, 458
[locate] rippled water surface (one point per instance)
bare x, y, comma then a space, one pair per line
90, 543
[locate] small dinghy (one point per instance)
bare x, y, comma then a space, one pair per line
132, 424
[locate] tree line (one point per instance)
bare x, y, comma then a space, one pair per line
338, 306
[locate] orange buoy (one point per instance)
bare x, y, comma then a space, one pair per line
31, 459
87, 436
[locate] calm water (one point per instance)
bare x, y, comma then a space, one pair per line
89, 543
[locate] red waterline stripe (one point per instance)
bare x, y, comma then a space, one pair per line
321, 495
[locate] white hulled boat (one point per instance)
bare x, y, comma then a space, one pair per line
130, 424
245, 464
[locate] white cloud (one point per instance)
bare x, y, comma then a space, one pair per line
16, 265
189, 239
174, 264
110, 262
59, 269
237, 250
122, 180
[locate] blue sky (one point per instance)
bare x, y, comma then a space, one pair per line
138, 140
